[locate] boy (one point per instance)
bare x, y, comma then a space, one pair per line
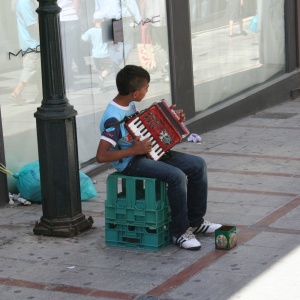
185, 174
100, 52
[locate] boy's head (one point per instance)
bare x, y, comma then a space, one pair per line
131, 78
98, 17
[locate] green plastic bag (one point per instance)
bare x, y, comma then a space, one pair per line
87, 189
29, 185
28, 182
254, 24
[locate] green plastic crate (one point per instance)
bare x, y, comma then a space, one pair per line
138, 217
137, 212
135, 192
147, 238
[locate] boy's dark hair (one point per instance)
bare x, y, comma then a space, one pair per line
131, 78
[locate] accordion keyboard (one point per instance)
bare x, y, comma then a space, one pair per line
138, 129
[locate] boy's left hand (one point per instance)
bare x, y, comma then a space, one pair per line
179, 112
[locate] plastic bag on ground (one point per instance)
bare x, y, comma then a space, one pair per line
87, 189
29, 186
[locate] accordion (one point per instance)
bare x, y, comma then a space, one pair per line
161, 124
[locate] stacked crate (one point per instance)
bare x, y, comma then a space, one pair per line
137, 213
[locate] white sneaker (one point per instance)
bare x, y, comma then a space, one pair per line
187, 241
206, 228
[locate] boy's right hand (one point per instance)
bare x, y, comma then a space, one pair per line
142, 147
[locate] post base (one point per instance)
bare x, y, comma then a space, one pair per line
66, 227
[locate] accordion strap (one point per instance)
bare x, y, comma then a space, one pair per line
115, 124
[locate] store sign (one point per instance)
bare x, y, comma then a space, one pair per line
153, 20
23, 53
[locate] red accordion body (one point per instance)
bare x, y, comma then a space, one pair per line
161, 124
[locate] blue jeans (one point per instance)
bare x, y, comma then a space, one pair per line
186, 177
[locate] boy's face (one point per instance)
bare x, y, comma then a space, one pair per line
141, 93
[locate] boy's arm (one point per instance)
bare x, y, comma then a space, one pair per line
105, 154
85, 36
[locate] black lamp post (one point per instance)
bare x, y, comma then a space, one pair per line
3, 177
57, 137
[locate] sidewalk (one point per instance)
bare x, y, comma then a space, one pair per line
254, 184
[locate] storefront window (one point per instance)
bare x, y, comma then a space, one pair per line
93, 52
20, 80
237, 44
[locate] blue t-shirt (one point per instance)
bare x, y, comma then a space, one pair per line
26, 19
117, 135
94, 35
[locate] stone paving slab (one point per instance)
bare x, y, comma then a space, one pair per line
290, 221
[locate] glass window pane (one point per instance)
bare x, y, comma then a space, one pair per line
91, 59
150, 48
237, 44
20, 80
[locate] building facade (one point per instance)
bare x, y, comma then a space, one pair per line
218, 60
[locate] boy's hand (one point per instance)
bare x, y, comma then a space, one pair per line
142, 147
179, 112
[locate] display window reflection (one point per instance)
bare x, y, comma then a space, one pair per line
237, 44
93, 52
